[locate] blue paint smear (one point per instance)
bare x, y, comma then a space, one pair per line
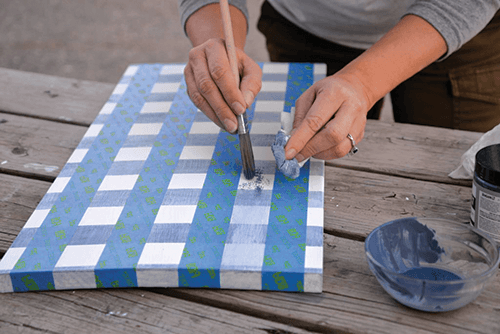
289, 168
410, 257
400, 247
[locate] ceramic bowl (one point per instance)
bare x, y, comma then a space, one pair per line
432, 264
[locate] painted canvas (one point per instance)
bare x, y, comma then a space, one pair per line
154, 196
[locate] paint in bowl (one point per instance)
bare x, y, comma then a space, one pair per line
432, 265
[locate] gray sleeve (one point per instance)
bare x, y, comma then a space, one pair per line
456, 20
188, 7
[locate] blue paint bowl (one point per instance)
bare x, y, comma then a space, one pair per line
432, 265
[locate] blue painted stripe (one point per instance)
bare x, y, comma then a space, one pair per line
181, 197
170, 78
274, 77
300, 77
266, 116
287, 228
134, 226
200, 263
161, 97
271, 96
49, 242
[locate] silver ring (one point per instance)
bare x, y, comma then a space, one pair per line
354, 148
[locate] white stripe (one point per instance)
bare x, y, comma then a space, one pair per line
58, 185
156, 107
197, 153
275, 68
165, 87
187, 181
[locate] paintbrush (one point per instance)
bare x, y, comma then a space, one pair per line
243, 134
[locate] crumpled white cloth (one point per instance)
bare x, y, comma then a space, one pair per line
465, 170
291, 168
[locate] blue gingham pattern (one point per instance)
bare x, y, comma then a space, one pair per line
154, 196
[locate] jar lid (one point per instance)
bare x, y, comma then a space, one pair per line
488, 164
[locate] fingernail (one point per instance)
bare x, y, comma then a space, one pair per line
238, 108
249, 97
299, 157
290, 153
230, 126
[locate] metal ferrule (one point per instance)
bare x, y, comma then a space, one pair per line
242, 123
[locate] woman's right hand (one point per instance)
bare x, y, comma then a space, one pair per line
212, 87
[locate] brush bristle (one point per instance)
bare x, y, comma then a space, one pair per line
247, 156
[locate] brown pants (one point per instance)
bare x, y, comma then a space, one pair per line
460, 92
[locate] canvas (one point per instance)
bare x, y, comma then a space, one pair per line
154, 196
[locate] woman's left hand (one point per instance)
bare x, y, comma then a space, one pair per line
325, 114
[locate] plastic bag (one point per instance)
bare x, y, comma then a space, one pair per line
465, 170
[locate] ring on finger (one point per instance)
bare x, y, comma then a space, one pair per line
354, 148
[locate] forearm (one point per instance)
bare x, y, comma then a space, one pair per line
206, 23
405, 50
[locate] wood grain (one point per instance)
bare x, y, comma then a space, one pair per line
356, 202
36, 148
50, 97
409, 151
18, 199
400, 171
415, 152
352, 301
122, 311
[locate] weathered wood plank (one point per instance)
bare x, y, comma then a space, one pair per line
122, 311
18, 199
419, 152
352, 301
356, 202
51, 97
34, 147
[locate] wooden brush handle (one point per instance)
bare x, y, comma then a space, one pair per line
228, 36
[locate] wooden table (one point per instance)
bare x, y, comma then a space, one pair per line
400, 171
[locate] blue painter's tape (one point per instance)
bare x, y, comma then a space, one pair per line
284, 257
300, 77
130, 234
213, 214
61, 223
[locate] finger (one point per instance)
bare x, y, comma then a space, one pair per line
321, 111
335, 152
198, 100
251, 79
207, 88
333, 136
222, 75
303, 104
